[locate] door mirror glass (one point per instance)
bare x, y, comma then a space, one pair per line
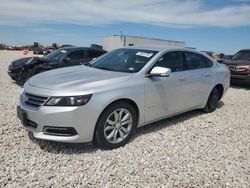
160, 71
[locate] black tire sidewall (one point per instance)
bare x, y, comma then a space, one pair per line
209, 107
99, 132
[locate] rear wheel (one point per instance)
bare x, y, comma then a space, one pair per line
116, 125
213, 101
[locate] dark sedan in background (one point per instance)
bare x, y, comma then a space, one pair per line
239, 65
38, 50
22, 69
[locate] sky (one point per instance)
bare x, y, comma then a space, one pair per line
214, 25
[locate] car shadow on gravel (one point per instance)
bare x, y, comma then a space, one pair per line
237, 85
168, 122
66, 148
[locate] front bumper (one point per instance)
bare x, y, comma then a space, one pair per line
82, 119
240, 77
12, 74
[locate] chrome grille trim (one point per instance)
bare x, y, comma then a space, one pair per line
237, 68
34, 100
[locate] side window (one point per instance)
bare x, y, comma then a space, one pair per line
197, 61
171, 60
93, 53
76, 55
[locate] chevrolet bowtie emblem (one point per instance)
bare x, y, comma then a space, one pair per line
25, 97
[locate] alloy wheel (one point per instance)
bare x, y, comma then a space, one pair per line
118, 125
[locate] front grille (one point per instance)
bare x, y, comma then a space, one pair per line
34, 100
236, 68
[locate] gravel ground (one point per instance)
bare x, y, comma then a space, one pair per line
191, 150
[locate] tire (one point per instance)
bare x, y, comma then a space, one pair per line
213, 101
115, 125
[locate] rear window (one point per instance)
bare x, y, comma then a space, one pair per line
94, 53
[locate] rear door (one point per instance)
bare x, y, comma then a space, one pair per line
201, 77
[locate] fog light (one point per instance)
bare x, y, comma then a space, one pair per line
59, 131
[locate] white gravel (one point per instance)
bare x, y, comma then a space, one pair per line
191, 150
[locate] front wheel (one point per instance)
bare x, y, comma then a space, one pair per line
213, 101
116, 125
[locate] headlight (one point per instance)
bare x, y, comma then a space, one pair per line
29, 61
69, 101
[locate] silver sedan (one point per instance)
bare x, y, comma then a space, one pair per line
116, 93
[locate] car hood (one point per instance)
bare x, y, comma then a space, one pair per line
236, 62
77, 78
23, 61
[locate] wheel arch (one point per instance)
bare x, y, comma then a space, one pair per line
220, 89
127, 100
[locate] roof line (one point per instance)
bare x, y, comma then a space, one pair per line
145, 38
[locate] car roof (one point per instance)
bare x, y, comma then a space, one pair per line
72, 48
245, 50
151, 47
160, 48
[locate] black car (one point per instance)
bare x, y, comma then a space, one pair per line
49, 50
38, 50
22, 69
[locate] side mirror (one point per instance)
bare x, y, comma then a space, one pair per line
67, 59
159, 71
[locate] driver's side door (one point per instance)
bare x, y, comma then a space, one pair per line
73, 58
166, 95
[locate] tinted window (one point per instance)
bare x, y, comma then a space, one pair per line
94, 53
76, 55
56, 55
197, 61
171, 60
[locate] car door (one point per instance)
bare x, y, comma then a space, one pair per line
201, 77
166, 95
76, 58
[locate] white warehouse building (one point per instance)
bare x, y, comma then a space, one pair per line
117, 41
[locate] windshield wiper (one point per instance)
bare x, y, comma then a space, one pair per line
104, 68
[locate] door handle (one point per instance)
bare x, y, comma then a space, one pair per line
207, 75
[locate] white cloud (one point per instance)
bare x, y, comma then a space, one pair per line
171, 13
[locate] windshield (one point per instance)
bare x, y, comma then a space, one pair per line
242, 55
55, 55
124, 60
